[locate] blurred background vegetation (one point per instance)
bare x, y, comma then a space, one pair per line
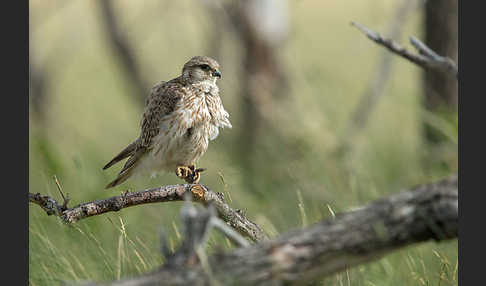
291, 86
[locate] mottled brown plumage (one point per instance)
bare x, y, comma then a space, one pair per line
181, 116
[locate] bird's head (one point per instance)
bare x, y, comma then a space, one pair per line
200, 69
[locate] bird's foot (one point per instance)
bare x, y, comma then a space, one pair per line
183, 172
189, 173
195, 176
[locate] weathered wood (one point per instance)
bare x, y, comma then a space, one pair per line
426, 58
365, 234
200, 193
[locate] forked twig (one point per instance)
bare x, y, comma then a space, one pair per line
426, 58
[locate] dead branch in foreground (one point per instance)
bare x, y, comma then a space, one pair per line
426, 212
200, 193
426, 58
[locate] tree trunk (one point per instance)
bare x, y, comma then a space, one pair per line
441, 35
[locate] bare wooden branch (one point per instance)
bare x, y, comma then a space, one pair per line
200, 193
426, 212
426, 58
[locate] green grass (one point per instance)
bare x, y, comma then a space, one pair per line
295, 179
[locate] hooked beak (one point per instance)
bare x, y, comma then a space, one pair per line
217, 74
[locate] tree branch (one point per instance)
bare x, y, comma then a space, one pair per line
426, 58
426, 212
200, 193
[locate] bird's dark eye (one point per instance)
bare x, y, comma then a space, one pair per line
205, 67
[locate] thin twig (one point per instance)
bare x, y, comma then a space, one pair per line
65, 199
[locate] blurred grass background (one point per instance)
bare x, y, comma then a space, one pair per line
91, 115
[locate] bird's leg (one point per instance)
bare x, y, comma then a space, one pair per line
195, 175
183, 172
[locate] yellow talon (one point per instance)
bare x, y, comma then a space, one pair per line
184, 172
189, 173
195, 175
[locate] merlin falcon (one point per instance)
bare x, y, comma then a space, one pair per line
181, 116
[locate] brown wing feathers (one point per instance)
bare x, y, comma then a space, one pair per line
128, 151
161, 101
126, 172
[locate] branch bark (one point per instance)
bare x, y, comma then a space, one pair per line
200, 193
426, 212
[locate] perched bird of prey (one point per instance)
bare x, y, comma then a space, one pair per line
181, 116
